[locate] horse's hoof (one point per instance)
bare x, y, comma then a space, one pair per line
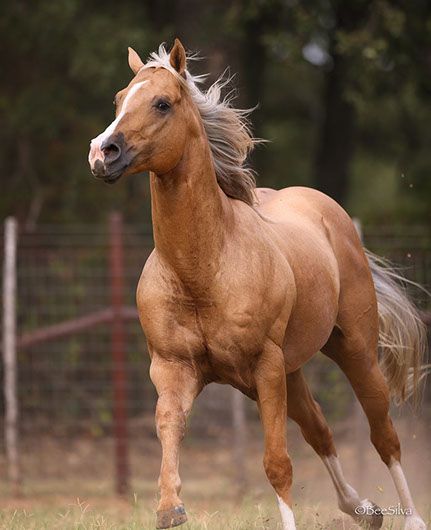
414, 522
369, 515
172, 517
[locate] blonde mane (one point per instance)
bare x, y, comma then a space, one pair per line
227, 129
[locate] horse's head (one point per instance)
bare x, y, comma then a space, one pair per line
150, 127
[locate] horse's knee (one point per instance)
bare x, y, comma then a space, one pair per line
278, 469
170, 417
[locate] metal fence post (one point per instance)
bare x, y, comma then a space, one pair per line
10, 354
119, 354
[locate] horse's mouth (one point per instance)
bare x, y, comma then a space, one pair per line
113, 177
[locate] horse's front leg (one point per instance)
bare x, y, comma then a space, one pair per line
270, 380
177, 386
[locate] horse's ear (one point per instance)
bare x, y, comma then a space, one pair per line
177, 57
135, 62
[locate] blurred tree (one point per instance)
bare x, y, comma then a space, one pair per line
343, 90
336, 137
62, 62
248, 24
371, 54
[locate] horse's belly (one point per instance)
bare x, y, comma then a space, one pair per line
310, 326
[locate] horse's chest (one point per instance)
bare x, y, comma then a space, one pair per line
222, 331
220, 328
222, 340
232, 342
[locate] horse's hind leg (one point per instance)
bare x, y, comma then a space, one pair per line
355, 351
306, 412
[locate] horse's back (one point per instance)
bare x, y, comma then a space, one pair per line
317, 214
307, 203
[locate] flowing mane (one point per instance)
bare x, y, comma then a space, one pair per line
228, 129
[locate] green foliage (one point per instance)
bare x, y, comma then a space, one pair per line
63, 61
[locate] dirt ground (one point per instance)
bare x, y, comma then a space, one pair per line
68, 483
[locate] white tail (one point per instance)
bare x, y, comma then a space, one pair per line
402, 334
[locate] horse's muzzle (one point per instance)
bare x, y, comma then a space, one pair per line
109, 158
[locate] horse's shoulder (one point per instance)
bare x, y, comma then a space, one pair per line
155, 281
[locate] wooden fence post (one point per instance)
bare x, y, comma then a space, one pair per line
239, 425
118, 338
9, 354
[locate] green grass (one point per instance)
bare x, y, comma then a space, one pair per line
82, 516
56, 473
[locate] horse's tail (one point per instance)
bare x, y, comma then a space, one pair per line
402, 334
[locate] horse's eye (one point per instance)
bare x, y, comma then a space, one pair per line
162, 106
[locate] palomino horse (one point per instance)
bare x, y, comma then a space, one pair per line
246, 285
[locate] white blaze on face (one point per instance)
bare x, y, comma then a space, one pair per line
286, 515
97, 142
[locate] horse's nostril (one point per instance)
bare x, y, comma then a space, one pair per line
111, 151
111, 148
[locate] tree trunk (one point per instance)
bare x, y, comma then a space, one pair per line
336, 138
252, 69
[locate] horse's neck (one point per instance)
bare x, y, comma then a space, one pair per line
188, 211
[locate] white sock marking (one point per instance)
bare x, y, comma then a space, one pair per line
413, 521
348, 498
286, 515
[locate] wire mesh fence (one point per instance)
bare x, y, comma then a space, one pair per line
66, 366
67, 381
